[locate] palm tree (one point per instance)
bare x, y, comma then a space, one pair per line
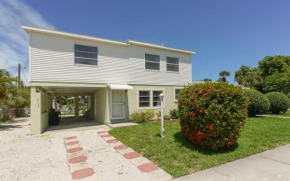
207, 80
223, 75
5, 81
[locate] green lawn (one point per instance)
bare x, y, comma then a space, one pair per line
286, 114
178, 158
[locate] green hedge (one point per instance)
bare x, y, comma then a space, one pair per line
258, 104
211, 114
142, 117
278, 102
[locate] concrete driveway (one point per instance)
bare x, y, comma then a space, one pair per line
56, 155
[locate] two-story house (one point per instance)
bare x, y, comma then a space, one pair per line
118, 77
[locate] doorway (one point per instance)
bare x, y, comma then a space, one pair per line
118, 104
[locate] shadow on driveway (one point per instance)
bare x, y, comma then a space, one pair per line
9, 127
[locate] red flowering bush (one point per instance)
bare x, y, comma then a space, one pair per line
212, 114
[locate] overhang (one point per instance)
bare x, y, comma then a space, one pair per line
119, 87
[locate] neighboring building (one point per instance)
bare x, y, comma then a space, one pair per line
118, 77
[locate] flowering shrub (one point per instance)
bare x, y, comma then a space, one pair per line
278, 102
212, 114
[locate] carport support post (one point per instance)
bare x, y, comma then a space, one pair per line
92, 106
76, 107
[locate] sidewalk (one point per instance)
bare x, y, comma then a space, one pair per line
271, 165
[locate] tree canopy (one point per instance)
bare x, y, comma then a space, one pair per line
272, 74
11, 95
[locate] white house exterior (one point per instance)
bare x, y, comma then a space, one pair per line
119, 77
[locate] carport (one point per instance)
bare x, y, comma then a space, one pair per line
42, 96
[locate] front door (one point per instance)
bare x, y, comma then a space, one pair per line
118, 104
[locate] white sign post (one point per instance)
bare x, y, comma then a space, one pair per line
162, 128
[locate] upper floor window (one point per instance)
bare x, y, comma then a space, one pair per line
152, 62
86, 55
172, 64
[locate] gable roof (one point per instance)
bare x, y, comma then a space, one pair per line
30, 29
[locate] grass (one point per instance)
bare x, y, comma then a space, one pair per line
177, 157
286, 114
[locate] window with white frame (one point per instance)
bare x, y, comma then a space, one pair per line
152, 62
172, 64
177, 90
156, 98
149, 98
86, 55
144, 98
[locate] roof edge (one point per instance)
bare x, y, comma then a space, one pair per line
29, 29
133, 42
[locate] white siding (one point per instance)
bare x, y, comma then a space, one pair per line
52, 60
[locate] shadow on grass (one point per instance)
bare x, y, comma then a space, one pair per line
179, 138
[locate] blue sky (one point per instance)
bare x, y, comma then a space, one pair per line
225, 34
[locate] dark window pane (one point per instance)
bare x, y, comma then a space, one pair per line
172, 60
144, 93
156, 98
86, 55
174, 68
157, 93
144, 104
151, 65
154, 58
141, 99
86, 61
155, 104
176, 93
86, 48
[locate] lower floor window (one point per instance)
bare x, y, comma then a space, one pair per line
149, 98
156, 98
144, 98
176, 93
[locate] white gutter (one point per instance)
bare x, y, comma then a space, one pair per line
159, 46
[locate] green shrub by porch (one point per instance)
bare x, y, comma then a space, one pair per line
212, 114
278, 102
258, 104
142, 117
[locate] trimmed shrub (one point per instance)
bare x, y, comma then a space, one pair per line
5, 116
166, 117
173, 113
158, 114
148, 115
258, 104
278, 102
142, 117
212, 114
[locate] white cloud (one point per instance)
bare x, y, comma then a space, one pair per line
14, 42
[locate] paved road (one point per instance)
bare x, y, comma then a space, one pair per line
272, 165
